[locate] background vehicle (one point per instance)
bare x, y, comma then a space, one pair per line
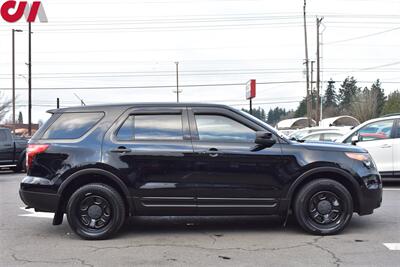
381, 137
99, 164
299, 134
12, 151
330, 136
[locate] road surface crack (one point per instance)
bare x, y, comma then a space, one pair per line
336, 260
55, 261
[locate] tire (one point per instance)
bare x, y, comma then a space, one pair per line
323, 207
21, 166
95, 211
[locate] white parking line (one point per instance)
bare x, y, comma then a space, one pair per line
392, 246
391, 189
32, 213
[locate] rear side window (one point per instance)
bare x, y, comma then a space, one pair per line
151, 127
72, 125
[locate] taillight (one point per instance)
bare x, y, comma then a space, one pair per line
32, 151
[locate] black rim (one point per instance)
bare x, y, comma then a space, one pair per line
94, 212
325, 208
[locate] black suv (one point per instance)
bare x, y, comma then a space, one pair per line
101, 164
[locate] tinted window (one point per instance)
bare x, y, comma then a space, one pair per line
220, 128
3, 136
151, 127
72, 125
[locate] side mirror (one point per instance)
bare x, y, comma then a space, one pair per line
263, 140
355, 139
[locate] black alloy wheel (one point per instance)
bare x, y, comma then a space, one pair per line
323, 207
96, 211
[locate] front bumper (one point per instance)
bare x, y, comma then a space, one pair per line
370, 199
39, 194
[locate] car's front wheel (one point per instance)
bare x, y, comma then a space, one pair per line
95, 211
323, 207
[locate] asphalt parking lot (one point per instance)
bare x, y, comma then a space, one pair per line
29, 239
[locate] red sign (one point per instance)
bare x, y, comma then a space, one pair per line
251, 89
12, 11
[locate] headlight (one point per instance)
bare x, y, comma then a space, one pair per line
365, 158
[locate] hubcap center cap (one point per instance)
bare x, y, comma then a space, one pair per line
324, 207
95, 212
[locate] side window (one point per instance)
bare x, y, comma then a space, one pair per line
151, 127
398, 129
72, 125
221, 128
313, 137
331, 136
379, 130
3, 136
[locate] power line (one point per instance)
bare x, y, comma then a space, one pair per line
362, 36
152, 86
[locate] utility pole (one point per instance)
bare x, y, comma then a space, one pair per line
312, 87
58, 103
13, 76
30, 81
177, 82
318, 118
307, 66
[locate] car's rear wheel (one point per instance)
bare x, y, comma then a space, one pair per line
323, 207
95, 211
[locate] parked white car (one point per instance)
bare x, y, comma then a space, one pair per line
326, 136
300, 134
381, 137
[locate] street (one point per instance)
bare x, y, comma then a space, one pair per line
29, 239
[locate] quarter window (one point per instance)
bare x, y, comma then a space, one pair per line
72, 125
151, 127
221, 128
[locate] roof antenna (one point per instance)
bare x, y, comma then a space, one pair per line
82, 102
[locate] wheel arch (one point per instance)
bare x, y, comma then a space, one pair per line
336, 174
92, 175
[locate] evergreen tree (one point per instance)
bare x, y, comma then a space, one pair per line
378, 91
347, 91
20, 118
301, 110
330, 98
392, 104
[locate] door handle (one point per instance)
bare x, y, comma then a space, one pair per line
386, 146
7, 145
121, 149
212, 152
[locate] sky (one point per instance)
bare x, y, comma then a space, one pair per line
125, 51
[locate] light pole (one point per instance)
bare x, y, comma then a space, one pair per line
29, 80
13, 74
177, 82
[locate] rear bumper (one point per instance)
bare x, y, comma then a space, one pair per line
35, 193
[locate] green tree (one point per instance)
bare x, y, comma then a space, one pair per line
20, 118
330, 97
378, 91
347, 91
301, 110
392, 104
258, 113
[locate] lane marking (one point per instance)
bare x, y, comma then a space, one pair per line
33, 213
391, 189
392, 246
